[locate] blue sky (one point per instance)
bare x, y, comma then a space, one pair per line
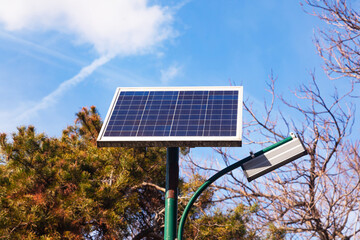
56, 57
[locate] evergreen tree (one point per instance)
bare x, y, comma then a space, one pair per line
67, 188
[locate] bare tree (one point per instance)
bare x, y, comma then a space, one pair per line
316, 197
338, 44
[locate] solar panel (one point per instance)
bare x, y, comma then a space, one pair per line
174, 117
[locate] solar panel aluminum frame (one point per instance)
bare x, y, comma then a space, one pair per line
173, 141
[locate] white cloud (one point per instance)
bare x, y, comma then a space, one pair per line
112, 27
170, 73
118, 27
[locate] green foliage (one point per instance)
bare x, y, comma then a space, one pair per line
231, 225
275, 233
203, 202
67, 188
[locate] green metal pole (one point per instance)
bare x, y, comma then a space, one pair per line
171, 195
217, 176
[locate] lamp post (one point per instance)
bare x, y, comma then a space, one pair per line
171, 194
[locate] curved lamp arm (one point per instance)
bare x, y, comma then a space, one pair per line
217, 176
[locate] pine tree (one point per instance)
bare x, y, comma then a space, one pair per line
67, 188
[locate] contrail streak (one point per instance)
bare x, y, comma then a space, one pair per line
54, 96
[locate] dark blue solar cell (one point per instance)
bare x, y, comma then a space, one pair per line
174, 113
